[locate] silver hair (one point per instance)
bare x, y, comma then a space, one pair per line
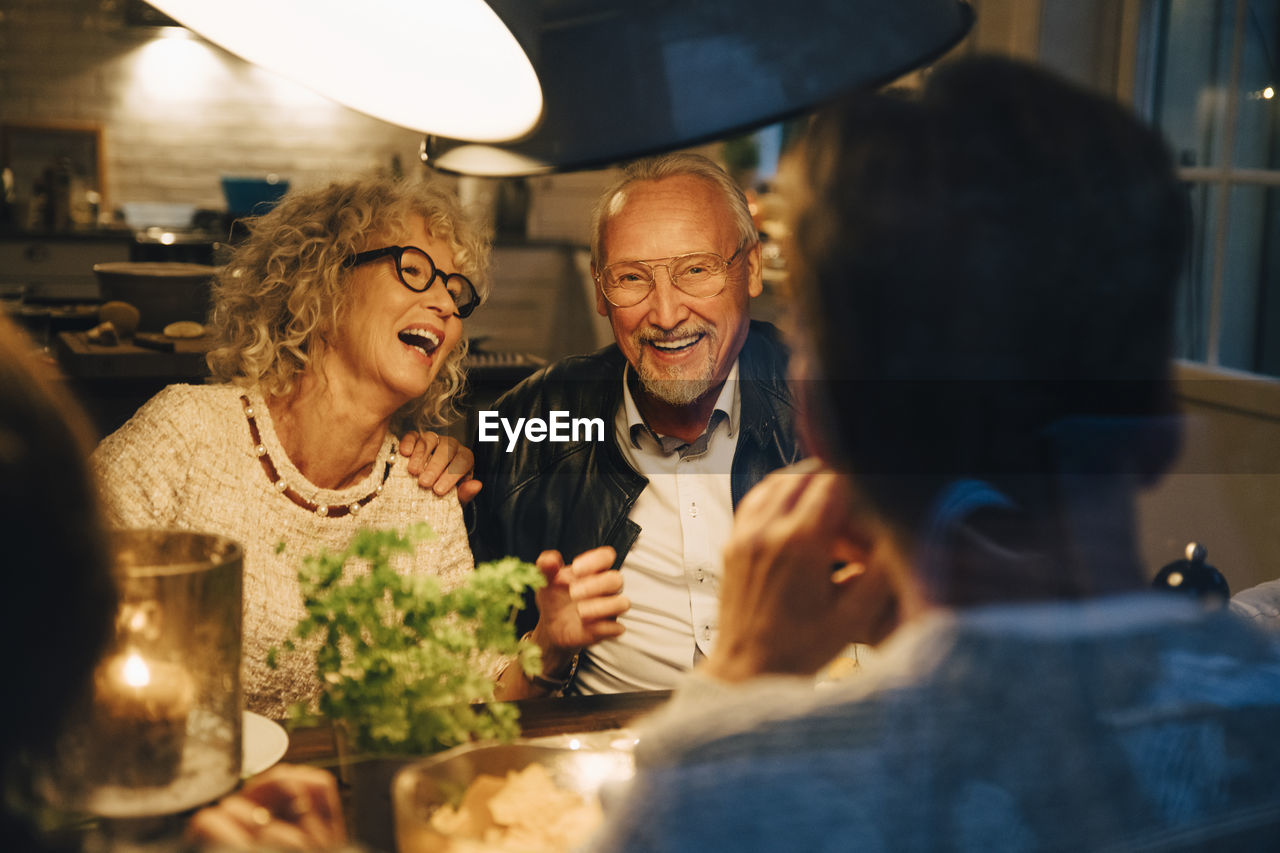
670, 166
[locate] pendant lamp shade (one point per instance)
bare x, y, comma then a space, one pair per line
447, 67
626, 78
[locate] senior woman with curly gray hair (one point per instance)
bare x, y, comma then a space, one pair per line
339, 324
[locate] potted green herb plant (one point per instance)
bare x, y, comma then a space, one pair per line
407, 666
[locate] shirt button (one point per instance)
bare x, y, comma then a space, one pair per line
706, 632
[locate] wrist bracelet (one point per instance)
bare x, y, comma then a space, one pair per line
554, 685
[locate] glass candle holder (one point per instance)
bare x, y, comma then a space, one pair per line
162, 730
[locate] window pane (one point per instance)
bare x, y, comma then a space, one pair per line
1256, 144
1249, 313
1194, 70
1250, 333
1195, 290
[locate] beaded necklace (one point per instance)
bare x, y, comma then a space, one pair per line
287, 490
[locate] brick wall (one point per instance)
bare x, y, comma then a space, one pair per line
176, 113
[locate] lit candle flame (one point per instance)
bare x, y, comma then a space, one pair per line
136, 672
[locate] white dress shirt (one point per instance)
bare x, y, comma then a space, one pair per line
672, 572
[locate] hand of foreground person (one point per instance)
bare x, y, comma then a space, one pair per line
803, 577
289, 807
440, 463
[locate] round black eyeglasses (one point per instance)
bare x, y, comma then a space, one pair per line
418, 272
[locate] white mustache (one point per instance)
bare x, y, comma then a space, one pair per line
687, 330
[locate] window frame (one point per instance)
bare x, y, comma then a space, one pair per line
1221, 179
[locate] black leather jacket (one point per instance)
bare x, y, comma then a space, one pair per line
575, 496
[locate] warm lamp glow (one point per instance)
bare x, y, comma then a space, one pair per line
135, 671
1268, 93
480, 160
172, 70
447, 67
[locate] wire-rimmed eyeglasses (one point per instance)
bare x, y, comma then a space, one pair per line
699, 274
418, 272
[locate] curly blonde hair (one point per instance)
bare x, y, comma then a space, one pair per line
285, 286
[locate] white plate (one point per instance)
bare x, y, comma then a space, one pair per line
265, 743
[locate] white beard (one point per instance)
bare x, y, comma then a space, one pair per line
674, 389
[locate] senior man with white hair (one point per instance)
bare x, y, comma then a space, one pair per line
696, 410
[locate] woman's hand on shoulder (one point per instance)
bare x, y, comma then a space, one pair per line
289, 807
440, 463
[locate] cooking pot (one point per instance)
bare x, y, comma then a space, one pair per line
162, 292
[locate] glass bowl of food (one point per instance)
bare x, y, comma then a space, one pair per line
524, 796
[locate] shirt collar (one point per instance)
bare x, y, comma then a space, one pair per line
726, 409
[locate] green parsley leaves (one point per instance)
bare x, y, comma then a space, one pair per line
406, 666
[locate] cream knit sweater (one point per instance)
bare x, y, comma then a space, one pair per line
186, 460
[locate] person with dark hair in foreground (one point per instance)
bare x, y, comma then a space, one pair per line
59, 611
986, 272
59, 602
